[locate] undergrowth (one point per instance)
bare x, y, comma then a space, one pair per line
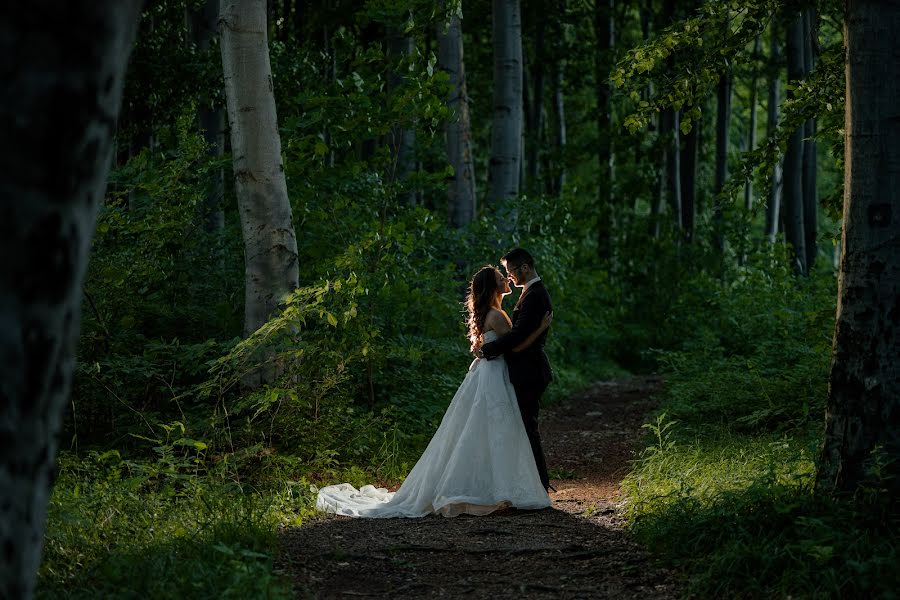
725, 487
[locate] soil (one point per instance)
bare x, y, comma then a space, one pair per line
578, 548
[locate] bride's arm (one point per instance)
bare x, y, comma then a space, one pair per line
545, 323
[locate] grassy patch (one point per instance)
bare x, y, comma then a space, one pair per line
725, 488
112, 532
737, 514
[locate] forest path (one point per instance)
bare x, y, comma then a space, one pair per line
576, 549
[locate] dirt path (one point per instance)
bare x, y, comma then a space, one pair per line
577, 549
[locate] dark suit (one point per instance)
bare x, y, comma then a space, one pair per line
529, 370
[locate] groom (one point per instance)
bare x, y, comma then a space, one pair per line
529, 370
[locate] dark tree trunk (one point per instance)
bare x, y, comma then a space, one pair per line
670, 173
402, 138
688, 170
211, 118
55, 164
559, 179
793, 157
773, 204
862, 431
810, 198
751, 135
723, 120
298, 21
536, 112
604, 29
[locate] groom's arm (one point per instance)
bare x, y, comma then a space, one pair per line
531, 314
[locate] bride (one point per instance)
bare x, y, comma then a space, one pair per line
480, 459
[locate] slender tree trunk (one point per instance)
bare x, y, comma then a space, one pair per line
604, 30
559, 105
723, 122
810, 198
211, 117
461, 191
773, 205
645, 13
331, 76
793, 157
56, 158
669, 184
536, 113
751, 135
403, 138
688, 170
298, 19
862, 431
506, 130
284, 32
271, 18
270, 246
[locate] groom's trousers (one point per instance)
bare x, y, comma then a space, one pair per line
529, 398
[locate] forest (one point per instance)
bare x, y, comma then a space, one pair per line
237, 239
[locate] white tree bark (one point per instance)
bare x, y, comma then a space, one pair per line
506, 132
461, 191
863, 409
63, 77
270, 246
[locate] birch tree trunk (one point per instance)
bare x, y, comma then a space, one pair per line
211, 118
64, 72
506, 130
810, 198
270, 246
863, 408
793, 156
461, 191
773, 205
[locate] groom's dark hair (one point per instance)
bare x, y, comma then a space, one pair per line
518, 257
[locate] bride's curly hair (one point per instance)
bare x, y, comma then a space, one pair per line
479, 299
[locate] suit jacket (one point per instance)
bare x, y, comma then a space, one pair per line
529, 367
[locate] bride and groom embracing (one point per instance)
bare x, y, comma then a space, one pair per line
486, 454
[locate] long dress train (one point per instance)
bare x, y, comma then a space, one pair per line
478, 461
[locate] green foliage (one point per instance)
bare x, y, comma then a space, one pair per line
724, 489
182, 474
112, 531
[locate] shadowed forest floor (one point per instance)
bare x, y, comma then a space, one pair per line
576, 549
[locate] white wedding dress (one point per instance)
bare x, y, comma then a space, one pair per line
478, 461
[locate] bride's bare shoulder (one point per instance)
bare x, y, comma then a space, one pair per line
497, 320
